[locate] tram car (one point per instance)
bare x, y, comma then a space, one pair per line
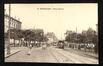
60, 44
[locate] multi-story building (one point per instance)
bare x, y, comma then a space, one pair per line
14, 23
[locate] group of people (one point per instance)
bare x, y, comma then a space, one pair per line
44, 46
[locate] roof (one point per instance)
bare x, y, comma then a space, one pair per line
12, 18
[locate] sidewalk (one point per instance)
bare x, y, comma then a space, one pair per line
14, 50
79, 52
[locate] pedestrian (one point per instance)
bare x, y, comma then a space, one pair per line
30, 47
44, 46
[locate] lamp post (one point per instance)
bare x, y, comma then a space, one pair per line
8, 47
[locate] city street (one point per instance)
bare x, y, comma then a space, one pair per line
50, 55
51, 33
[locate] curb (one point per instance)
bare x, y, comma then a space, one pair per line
12, 54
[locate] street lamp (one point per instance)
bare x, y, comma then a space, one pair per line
8, 47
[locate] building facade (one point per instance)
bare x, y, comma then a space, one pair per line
14, 23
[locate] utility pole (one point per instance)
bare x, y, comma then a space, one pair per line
76, 33
76, 39
8, 47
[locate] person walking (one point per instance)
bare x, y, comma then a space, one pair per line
44, 46
30, 47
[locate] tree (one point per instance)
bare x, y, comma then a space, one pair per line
80, 38
90, 36
13, 34
39, 34
45, 38
33, 35
16, 34
95, 41
19, 35
51, 37
28, 36
70, 36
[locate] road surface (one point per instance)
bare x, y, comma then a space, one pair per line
50, 55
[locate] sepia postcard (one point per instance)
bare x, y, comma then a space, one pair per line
51, 33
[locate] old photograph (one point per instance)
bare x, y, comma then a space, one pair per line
51, 33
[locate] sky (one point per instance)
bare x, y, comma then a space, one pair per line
64, 17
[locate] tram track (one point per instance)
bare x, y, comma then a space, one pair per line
60, 57
71, 59
82, 59
54, 56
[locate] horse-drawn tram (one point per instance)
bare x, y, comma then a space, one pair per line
60, 44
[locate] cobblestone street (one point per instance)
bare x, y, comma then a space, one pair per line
50, 55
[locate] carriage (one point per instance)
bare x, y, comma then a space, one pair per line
61, 44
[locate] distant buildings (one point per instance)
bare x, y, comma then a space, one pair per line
14, 23
51, 36
71, 34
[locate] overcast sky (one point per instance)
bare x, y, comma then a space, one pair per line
79, 15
